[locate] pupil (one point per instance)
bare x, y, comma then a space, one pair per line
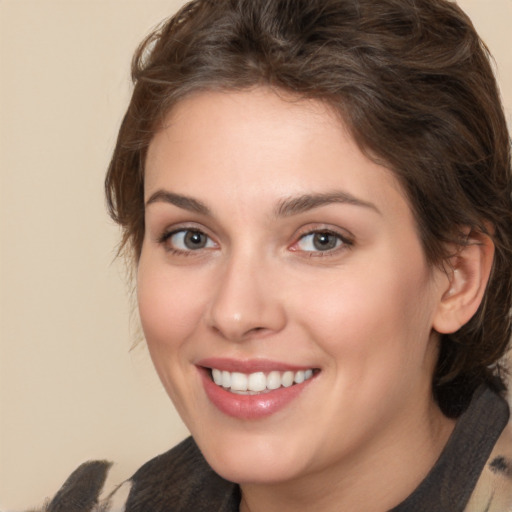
195, 240
324, 241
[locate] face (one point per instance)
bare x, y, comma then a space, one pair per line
282, 288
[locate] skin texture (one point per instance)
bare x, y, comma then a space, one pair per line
365, 428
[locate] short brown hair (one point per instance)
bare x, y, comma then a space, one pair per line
412, 81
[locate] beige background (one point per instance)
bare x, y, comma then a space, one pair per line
70, 389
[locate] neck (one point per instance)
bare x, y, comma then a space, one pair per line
388, 471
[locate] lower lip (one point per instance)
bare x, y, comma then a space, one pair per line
250, 407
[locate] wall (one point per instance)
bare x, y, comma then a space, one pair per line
70, 389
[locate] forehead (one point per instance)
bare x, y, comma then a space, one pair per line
255, 122
258, 146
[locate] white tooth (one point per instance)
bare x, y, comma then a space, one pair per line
274, 380
217, 376
257, 382
287, 379
299, 377
238, 382
226, 379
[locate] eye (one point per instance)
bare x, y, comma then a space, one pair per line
320, 241
186, 240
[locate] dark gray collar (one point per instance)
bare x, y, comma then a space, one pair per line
449, 484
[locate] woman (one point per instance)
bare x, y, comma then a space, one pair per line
316, 196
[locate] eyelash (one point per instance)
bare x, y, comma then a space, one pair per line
343, 242
166, 236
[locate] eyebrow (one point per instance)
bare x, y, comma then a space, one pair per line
187, 203
285, 208
301, 204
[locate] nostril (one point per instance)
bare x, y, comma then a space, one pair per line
239, 334
255, 331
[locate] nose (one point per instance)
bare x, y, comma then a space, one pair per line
246, 301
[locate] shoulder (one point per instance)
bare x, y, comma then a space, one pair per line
493, 491
82, 488
178, 480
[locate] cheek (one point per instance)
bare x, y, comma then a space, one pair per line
377, 316
170, 314
169, 304
375, 332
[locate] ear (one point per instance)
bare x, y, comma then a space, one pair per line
468, 273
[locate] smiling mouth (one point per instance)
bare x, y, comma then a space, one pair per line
259, 382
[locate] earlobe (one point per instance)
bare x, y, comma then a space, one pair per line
468, 274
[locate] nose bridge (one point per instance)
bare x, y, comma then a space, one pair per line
245, 301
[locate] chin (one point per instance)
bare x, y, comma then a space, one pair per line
252, 472
256, 461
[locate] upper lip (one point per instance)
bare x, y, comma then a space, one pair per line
249, 365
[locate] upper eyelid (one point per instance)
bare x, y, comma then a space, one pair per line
323, 232
344, 234
172, 230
